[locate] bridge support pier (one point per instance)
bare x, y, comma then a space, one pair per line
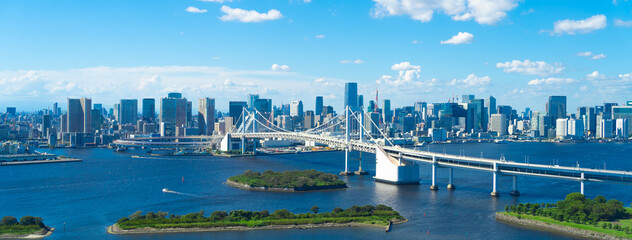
494, 192
346, 172
582, 183
450, 185
515, 191
243, 145
434, 174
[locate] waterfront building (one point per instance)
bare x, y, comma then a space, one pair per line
607, 109
149, 109
575, 128
173, 112
499, 124
605, 128
296, 108
128, 111
351, 95
79, 115
97, 119
623, 112
252, 98
622, 128
235, 109
319, 105
556, 107
561, 128
206, 116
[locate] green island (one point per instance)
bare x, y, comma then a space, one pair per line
577, 215
305, 180
27, 227
368, 215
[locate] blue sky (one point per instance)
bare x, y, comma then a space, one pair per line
412, 50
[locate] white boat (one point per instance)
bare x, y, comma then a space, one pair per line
166, 190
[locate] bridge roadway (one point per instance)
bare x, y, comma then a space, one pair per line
450, 161
169, 142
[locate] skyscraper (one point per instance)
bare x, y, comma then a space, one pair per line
490, 104
319, 105
360, 102
149, 109
387, 114
206, 116
128, 111
55, 109
351, 95
79, 115
173, 110
467, 98
623, 112
556, 107
252, 98
499, 124
296, 108
235, 108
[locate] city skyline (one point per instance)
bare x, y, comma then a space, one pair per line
518, 52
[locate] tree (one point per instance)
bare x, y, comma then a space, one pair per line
315, 209
27, 220
9, 220
137, 215
337, 210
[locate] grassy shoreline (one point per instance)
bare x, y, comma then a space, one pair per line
548, 220
306, 180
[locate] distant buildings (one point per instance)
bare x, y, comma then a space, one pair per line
296, 108
149, 109
351, 95
319, 105
79, 117
556, 107
128, 112
206, 116
173, 113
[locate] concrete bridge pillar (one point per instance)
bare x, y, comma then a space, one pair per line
450, 185
582, 183
494, 192
434, 174
515, 191
243, 145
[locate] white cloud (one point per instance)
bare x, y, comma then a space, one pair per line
482, 11
357, 61
407, 80
320, 36
595, 75
527, 67
551, 81
599, 56
217, 1
572, 27
622, 23
195, 10
415, 42
584, 54
248, 16
471, 81
460, 38
277, 67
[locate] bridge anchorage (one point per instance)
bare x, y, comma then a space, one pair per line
394, 164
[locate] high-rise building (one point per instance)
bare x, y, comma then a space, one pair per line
544, 123
79, 115
490, 104
149, 109
235, 109
499, 124
189, 120
263, 105
11, 110
575, 128
623, 112
252, 98
308, 120
173, 111
319, 105
622, 128
605, 128
587, 115
351, 95
467, 98
387, 114
128, 111
556, 107
206, 116
96, 119
607, 109
174, 95
535, 121
46, 124
561, 128
296, 108
371, 121
360, 102
55, 109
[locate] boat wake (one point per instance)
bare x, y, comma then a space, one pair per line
166, 190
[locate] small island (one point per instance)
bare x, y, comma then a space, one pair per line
577, 215
287, 181
27, 227
380, 216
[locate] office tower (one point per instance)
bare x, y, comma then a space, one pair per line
556, 107
467, 98
296, 108
408, 123
11, 110
605, 129
371, 107
128, 111
308, 120
96, 119
499, 124
235, 109
623, 112
575, 128
535, 121
46, 124
360, 102
79, 115
263, 105
328, 110
544, 123
252, 98
319, 105
387, 114
607, 109
55, 109
117, 111
561, 128
206, 116
490, 104
189, 120
149, 109
64, 123
622, 128
371, 121
351, 95
173, 111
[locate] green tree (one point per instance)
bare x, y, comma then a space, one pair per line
9, 220
136, 215
315, 209
27, 220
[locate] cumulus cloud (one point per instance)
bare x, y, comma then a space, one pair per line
195, 10
460, 38
622, 23
277, 67
551, 81
595, 75
527, 67
482, 11
584, 54
599, 56
357, 61
471, 81
407, 81
591, 55
571, 27
248, 16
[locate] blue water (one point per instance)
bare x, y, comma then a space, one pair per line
106, 186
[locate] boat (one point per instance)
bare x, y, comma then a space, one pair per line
166, 190
135, 156
501, 141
